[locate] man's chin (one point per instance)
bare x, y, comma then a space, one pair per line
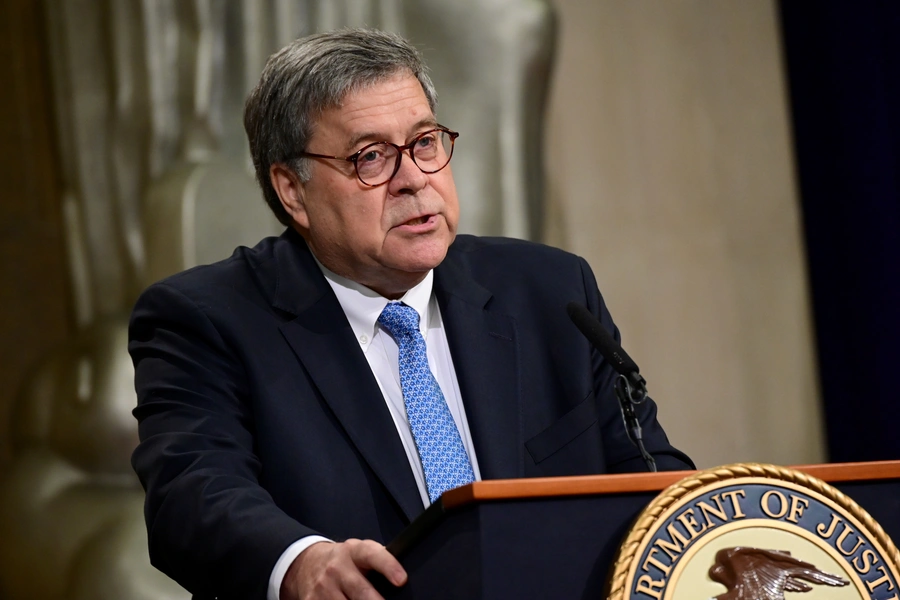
420, 254
419, 267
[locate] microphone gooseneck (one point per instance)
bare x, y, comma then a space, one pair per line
630, 386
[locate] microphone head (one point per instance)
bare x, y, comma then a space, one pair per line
601, 339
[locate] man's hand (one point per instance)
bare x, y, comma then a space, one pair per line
337, 570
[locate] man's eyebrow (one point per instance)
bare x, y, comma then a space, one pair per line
426, 122
372, 136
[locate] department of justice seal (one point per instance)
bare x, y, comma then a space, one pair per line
754, 532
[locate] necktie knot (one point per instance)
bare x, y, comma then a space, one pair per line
399, 319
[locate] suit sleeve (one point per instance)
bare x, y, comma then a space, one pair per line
211, 526
622, 455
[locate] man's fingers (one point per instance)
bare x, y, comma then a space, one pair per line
336, 570
369, 555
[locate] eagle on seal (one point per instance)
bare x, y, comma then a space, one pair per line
757, 574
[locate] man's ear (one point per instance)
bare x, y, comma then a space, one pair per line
291, 192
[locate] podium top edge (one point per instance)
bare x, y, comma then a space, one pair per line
545, 487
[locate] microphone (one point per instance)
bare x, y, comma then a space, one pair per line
609, 348
631, 387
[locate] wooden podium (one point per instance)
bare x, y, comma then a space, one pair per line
557, 537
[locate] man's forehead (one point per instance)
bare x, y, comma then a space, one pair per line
381, 111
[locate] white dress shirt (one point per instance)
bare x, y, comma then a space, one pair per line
363, 307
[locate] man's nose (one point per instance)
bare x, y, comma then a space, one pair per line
409, 178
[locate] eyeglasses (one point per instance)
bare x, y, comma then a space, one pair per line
377, 163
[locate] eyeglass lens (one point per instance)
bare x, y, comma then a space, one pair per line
431, 152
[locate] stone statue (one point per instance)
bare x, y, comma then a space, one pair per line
491, 65
157, 177
70, 506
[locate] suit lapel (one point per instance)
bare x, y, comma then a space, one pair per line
483, 344
323, 341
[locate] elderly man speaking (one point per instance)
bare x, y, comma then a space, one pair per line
302, 401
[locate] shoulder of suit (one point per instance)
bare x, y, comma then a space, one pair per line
503, 247
504, 262
229, 272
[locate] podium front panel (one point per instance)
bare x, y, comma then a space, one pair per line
552, 547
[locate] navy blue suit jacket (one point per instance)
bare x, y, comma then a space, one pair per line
261, 422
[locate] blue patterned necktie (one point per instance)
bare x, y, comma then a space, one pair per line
440, 447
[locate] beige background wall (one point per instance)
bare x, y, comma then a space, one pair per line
670, 171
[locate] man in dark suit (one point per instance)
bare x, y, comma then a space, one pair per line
290, 425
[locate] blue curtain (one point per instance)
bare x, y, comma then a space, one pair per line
843, 65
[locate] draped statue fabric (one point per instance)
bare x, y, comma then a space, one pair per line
148, 90
157, 177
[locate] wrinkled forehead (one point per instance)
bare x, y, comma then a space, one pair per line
362, 86
395, 99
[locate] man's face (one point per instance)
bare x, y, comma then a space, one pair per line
386, 237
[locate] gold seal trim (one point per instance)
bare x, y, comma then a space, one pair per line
688, 485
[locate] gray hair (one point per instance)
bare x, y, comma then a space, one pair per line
308, 76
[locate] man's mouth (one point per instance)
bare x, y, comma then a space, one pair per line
418, 220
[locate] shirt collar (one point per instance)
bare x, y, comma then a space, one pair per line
363, 306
